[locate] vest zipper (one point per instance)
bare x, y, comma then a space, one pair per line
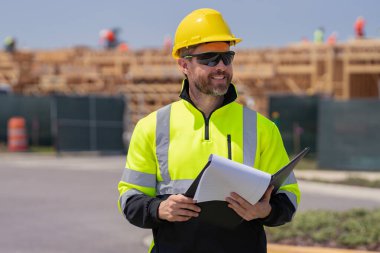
229, 146
207, 134
207, 123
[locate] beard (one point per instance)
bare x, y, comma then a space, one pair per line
213, 87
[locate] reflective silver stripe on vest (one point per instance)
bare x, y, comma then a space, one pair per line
162, 141
249, 136
291, 179
292, 197
139, 178
174, 187
126, 195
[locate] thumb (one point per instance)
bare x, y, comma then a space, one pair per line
268, 193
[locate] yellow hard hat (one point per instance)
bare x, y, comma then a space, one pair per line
201, 26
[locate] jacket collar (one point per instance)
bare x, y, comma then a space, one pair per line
229, 97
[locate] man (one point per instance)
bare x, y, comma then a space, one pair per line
170, 147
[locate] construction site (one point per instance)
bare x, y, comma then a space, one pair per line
119, 121
148, 79
151, 79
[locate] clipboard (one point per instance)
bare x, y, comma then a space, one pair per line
280, 176
218, 213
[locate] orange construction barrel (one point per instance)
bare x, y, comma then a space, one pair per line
17, 138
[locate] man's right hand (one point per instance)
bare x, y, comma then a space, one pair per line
178, 208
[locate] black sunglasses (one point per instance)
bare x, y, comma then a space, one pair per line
212, 59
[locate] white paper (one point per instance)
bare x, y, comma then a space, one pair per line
224, 176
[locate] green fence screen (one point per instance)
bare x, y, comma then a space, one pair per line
349, 134
296, 118
69, 123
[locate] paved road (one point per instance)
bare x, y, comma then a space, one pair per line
337, 197
51, 205
68, 204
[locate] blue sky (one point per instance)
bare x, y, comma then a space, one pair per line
48, 24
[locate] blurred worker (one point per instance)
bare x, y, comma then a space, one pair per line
331, 40
359, 27
123, 47
170, 147
319, 35
167, 44
10, 44
109, 38
103, 34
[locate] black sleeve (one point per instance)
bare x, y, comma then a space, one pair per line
282, 211
142, 210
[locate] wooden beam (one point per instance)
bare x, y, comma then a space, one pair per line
292, 85
294, 69
363, 69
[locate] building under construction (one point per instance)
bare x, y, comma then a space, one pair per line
150, 78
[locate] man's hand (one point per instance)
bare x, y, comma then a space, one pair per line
178, 208
248, 211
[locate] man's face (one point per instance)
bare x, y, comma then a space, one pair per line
209, 80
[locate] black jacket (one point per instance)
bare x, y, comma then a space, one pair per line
196, 236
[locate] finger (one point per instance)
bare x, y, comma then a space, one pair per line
235, 205
181, 205
241, 212
232, 201
191, 207
186, 213
180, 218
183, 199
241, 200
268, 194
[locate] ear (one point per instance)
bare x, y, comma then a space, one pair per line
183, 65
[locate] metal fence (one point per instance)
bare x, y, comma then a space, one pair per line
88, 123
35, 110
69, 123
349, 134
296, 118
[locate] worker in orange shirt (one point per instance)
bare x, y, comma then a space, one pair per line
359, 27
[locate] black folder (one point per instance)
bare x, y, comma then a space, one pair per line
218, 213
280, 176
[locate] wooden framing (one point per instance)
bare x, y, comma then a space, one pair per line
343, 71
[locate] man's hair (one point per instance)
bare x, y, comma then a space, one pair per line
186, 51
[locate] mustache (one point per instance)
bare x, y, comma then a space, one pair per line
220, 72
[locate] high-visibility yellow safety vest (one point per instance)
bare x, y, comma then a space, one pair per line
171, 146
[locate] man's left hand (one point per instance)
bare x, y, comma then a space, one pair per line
248, 211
